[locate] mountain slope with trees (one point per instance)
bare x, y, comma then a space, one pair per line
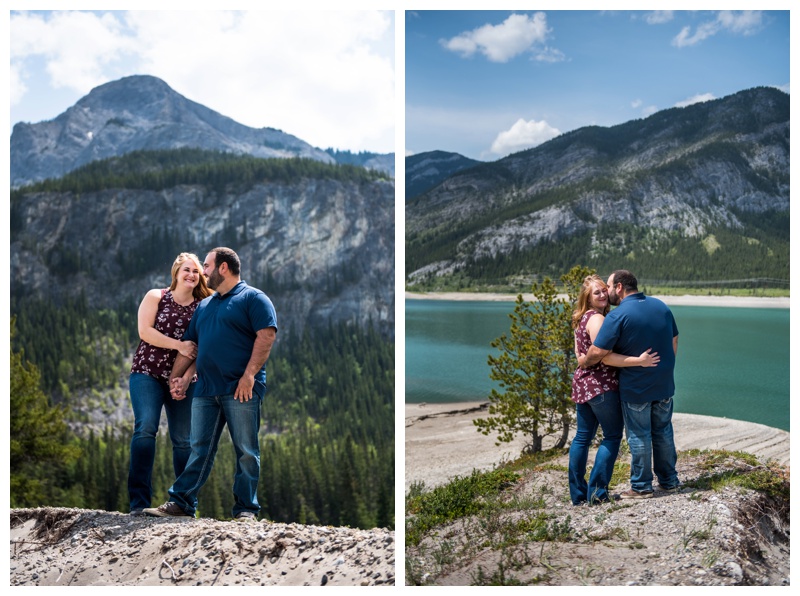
700, 192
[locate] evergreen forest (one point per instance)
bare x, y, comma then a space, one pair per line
327, 444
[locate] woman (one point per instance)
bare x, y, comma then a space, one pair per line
164, 315
595, 391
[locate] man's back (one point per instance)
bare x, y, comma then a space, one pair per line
637, 324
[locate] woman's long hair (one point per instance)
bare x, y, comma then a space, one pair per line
584, 299
201, 290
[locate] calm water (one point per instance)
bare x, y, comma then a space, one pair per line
732, 362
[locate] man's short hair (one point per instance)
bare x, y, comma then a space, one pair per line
627, 279
227, 255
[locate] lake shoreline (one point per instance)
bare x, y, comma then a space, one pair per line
442, 442
685, 300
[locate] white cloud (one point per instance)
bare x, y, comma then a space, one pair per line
326, 77
699, 98
658, 17
17, 87
523, 135
75, 45
636, 103
746, 22
649, 111
500, 43
549, 55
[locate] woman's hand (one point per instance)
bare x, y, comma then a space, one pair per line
178, 387
188, 349
649, 359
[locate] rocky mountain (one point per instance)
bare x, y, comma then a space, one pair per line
426, 170
382, 162
322, 248
708, 182
135, 113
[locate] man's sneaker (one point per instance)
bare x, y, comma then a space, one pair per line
635, 494
245, 516
168, 509
675, 489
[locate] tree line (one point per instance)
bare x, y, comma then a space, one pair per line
157, 170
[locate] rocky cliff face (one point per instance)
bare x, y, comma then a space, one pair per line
323, 250
681, 170
139, 112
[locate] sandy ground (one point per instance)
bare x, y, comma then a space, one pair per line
731, 301
442, 442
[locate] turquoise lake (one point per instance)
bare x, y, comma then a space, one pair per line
732, 362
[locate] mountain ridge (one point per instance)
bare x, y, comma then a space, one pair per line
135, 113
681, 174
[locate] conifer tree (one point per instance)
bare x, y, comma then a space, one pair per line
534, 368
38, 435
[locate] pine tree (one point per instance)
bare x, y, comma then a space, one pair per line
38, 438
534, 368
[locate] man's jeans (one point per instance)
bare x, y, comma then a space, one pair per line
209, 416
648, 428
148, 396
603, 410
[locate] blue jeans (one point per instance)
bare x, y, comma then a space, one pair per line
209, 416
648, 428
603, 410
148, 396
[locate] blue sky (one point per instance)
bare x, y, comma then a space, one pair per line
488, 83
326, 77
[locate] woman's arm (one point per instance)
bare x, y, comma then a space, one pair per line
646, 359
148, 310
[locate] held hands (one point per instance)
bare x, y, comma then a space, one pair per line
188, 349
649, 359
177, 388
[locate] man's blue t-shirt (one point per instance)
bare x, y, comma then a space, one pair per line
224, 329
638, 323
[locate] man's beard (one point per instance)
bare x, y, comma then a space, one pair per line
613, 298
214, 279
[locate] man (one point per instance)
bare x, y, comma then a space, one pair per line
234, 330
640, 322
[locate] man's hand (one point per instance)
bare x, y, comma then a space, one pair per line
178, 388
244, 389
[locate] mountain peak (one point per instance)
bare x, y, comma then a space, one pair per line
139, 112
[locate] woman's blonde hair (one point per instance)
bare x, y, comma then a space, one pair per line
201, 290
584, 299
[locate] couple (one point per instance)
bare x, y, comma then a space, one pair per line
613, 386
202, 358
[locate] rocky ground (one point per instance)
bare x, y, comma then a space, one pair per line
77, 547
703, 536
700, 537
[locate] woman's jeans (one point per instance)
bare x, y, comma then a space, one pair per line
602, 410
210, 415
650, 437
148, 395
